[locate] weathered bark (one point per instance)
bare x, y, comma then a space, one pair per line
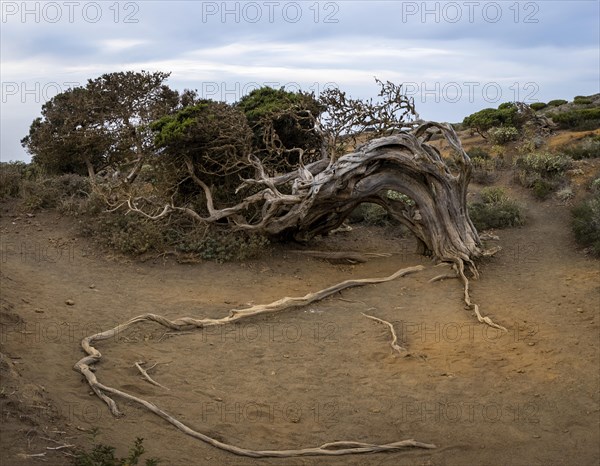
324, 193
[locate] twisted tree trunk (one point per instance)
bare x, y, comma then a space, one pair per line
324, 193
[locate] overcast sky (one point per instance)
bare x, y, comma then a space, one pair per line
454, 57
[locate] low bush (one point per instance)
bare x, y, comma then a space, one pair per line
544, 164
484, 170
556, 102
50, 192
104, 455
586, 148
586, 223
581, 119
135, 235
542, 172
11, 176
496, 210
503, 135
582, 100
538, 106
478, 152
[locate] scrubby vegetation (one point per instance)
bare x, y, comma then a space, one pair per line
542, 171
556, 102
495, 210
538, 106
586, 148
105, 455
92, 142
586, 219
580, 119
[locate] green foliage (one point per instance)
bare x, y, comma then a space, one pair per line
85, 129
104, 455
285, 119
215, 138
478, 153
538, 106
496, 210
503, 135
542, 188
50, 192
12, 175
556, 102
586, 223
585, 148
542, 172
222, 246
580, 119
582, 100
136, 235
484, 170
488, 118
546, 165
370, 214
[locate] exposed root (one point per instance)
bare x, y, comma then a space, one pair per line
350, 256
394, 342
443, 276
144, 373
86, 367
467, 298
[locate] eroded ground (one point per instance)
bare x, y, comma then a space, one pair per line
304, 377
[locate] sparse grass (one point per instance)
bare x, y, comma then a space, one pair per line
579, 119
496, 210
135, 235
503, 135
50, 192
586, 223
104, 455
585, 148
542, 172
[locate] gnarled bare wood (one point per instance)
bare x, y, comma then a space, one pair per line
86, 366
325, 192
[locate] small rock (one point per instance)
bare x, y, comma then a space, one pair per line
531, 343
70, 302
579, 310
92, 286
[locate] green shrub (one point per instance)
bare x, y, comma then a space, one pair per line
478, 152
484, 170
220, 246
586, 223
556, 102
134, 234
542, 188
581, 119
544, 164
538, 106
370, 214
496, 210
503, 135
582, 100
482, 121
47, 193
586, 148
104, 455
542, 172
11, 176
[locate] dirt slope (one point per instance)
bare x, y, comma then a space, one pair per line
313, 375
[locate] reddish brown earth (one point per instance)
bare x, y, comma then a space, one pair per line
317, 374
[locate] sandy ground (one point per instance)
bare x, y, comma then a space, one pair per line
317, 374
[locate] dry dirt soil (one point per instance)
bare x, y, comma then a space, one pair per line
312, 375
